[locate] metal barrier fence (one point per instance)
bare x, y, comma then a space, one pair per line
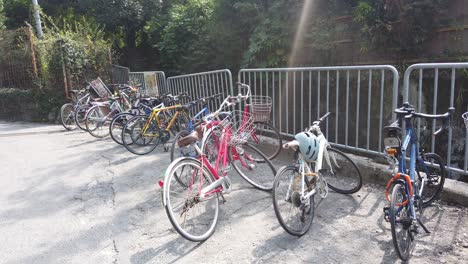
424, 94
151, 83
120, 74
358, 97
203, 84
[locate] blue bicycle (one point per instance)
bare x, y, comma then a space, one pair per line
179, 149
414, 187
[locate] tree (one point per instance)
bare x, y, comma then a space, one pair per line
401, 26
16, 12
2, 16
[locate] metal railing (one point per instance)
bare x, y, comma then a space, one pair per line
120, 74
202, 84
431, 76
354, 94
151, 83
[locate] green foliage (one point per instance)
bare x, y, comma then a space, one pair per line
2, 16
32, 104
13, 46
9, 93
182, 32
180, 36
17, 12
398, 26
79, 43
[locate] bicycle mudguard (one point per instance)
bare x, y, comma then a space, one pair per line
404, 179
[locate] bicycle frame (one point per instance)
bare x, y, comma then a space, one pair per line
411, 142
305, 169
155, 116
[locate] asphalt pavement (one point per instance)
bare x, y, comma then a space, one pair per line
67, 197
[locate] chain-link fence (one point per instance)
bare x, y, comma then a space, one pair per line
18, 65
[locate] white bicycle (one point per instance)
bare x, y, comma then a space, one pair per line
296, 185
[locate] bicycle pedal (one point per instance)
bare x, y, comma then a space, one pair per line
386, 211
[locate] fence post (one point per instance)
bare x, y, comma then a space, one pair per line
33, 53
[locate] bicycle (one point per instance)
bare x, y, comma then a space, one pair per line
265, 137
67, 111
193, 184
100, 115
195, 123
146, 132
415, 187
142, 106
317, 167
98, 93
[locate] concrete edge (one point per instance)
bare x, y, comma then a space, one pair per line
455, 192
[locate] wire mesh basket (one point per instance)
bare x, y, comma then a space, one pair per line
465, 118
261, 108
238, 126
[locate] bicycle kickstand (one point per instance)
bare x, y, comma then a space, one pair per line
423, 226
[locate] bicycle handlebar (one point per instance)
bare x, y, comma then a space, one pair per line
408, 112
324, 117
231, 100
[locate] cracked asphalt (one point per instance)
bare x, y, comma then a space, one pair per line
67, 197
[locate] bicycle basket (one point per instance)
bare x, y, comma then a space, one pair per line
261, 108
240, 125
100, 89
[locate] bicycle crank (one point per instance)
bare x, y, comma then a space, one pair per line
164, 136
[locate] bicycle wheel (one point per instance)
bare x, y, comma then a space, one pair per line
97, 121
192, 216
211, 144
294, 214
67, 116
80, 116
136, 142
400, 221
181, 123
117, 125
340, 172
186, 151
253, 166
267, 139
434, 177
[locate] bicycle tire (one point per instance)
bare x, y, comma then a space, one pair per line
305, 215
96, 125
402, 240
186, 151
248, 158
210, 145
267, 139
434, 184
345, 176
136, 143
67, 116
80, 116
117, 125
181, 122
172, 187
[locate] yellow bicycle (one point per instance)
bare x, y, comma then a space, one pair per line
145, 133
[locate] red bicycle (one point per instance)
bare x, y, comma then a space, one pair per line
193, 186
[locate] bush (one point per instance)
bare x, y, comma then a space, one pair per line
29, 105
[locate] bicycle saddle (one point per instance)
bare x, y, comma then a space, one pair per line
392, 127
185, 107
189, 139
